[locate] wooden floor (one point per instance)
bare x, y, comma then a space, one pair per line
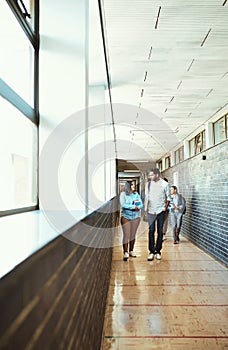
179, 302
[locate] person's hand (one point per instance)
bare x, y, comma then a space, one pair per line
136, 208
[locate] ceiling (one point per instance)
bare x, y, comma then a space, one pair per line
168, 64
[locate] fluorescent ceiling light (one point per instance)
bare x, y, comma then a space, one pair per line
137, 161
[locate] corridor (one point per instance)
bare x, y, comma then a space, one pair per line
179, 302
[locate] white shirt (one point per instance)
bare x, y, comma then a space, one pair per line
155, 200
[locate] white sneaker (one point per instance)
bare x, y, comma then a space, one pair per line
158, 256
126, 256
150, 257
132, 254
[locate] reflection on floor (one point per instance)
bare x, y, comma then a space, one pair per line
179, 302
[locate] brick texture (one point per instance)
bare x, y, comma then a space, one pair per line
204, 185
56, 299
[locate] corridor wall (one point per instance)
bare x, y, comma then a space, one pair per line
204, 184
56, 298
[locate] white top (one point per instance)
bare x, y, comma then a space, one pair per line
175, 200
155, 200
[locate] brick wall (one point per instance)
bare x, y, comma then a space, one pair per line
204, 185
56, 299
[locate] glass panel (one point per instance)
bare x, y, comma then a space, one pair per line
177, 157
182, 153
191, 147
219, 130
198, 143
18, 159
226, 125
29, 8
24, 6
167, 162
16, 60
96, 65
204, 139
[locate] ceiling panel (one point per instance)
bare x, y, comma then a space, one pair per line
170, 59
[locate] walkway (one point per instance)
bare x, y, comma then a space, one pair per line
180, 302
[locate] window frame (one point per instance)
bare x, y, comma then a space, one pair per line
196, 147
179, 155
6, 92
224, 119
160, 165
167, 162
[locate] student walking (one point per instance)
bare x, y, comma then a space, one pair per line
131, 203
177, 208
156, 203
166, 219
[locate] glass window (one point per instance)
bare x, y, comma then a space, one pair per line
177, 157
167, 162
198, 143
204, 139
16, 64
192, 147
27, 8
220, 130
181, 153
18, 159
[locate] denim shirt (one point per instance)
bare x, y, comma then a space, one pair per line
179, 201
128, 204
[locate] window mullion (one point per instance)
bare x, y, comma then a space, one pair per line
11, 96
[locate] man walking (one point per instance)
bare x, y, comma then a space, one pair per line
156, 203
166, 219
177, 208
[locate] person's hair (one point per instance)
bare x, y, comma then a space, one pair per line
164, 178
127, 187
174, 187
155, 171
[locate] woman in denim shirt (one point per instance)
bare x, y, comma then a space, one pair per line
131, 203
